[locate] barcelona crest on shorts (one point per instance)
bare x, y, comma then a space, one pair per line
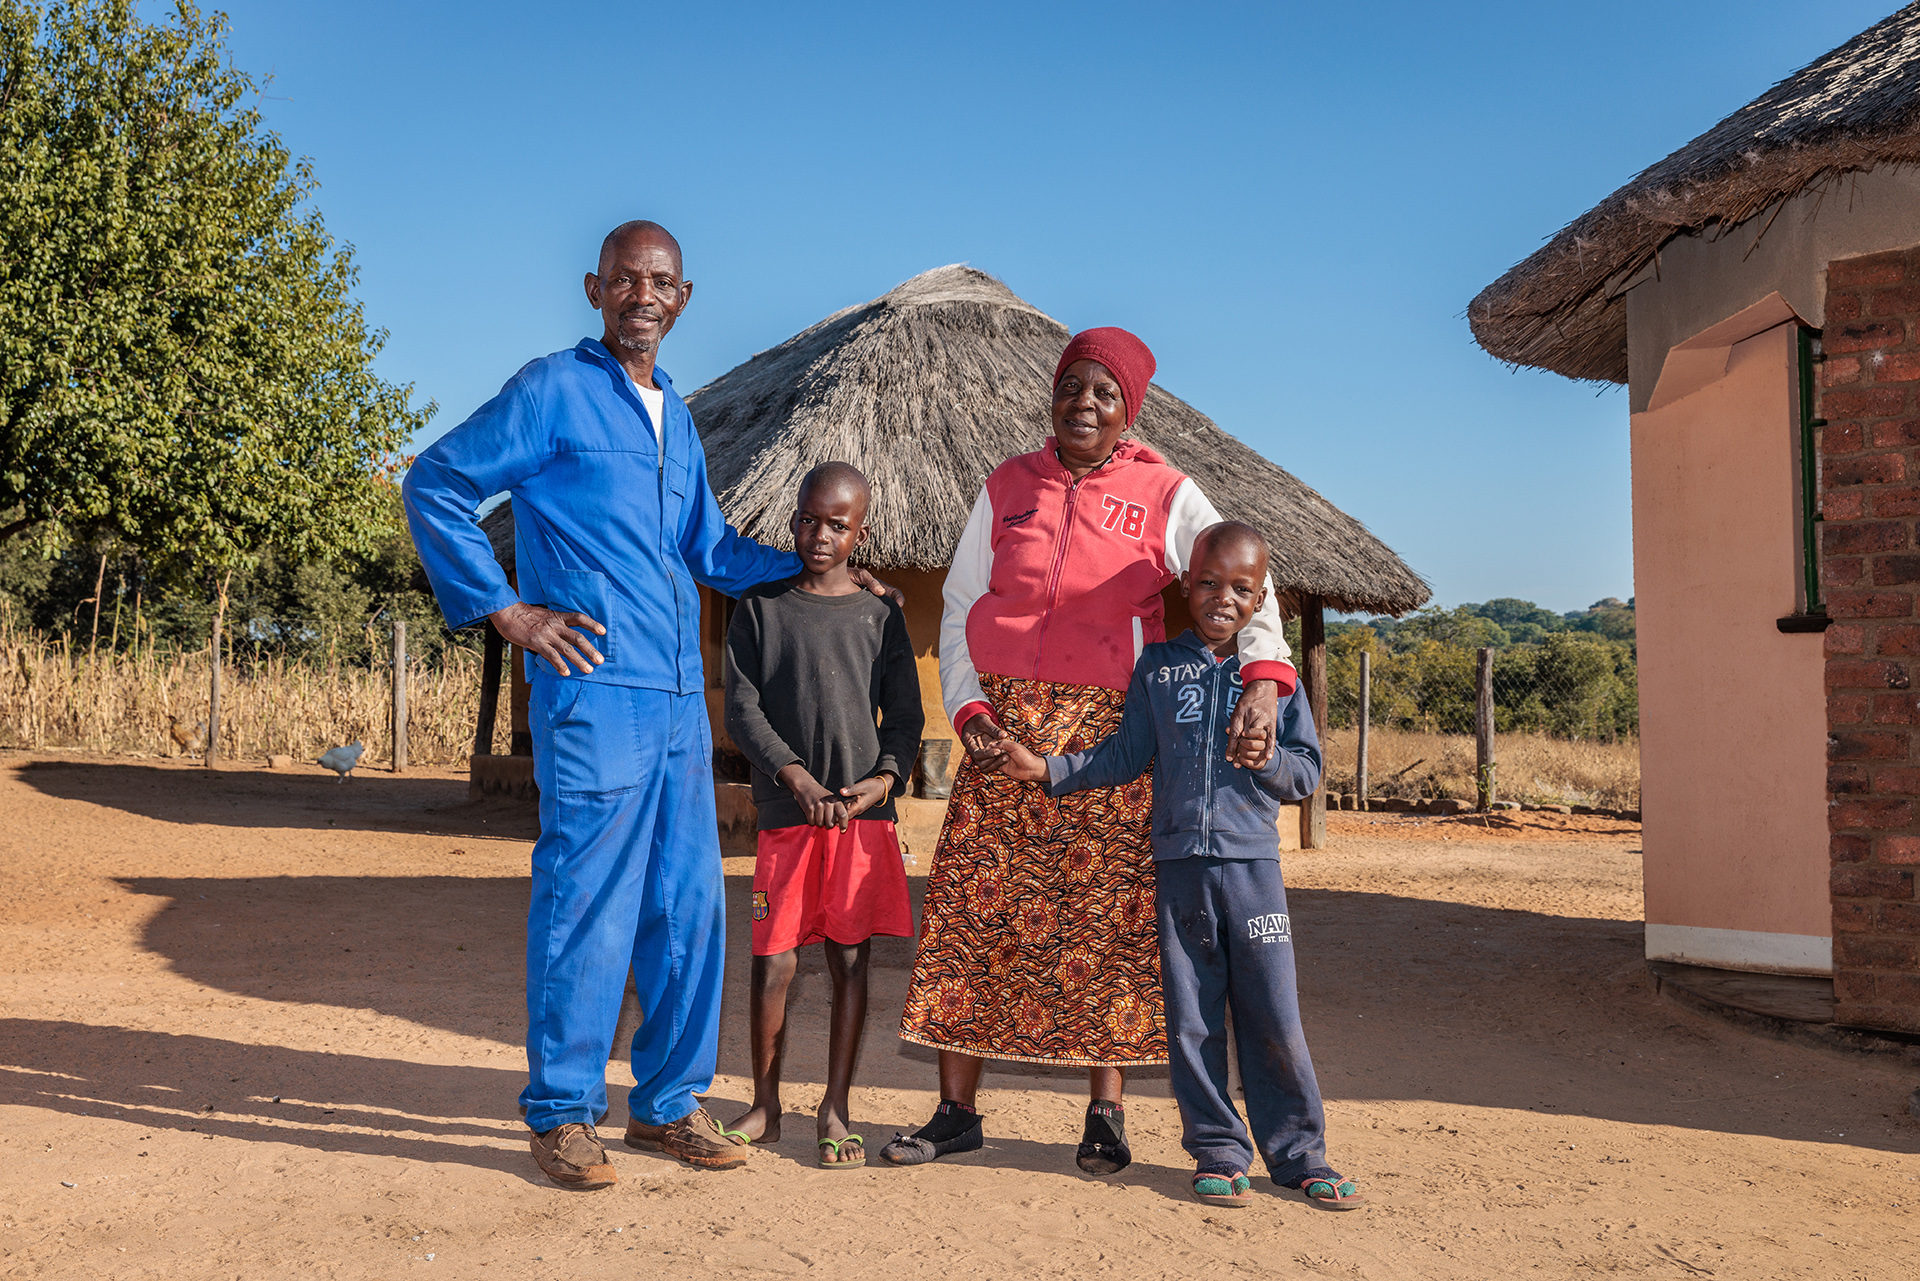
759, 905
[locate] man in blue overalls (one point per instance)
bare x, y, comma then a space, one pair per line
614, 525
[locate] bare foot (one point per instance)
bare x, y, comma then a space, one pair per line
758, 1123
832, 1125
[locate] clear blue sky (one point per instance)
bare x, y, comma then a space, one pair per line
1292, 203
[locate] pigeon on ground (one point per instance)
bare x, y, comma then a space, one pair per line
341, 760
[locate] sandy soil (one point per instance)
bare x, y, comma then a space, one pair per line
261, 1023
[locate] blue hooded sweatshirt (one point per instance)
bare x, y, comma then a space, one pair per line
1178, 706
606, 522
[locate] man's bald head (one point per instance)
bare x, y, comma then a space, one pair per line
639, 227
837, 479
640, 291
1231, 538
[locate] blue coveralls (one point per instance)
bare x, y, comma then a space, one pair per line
627, 868
1226, 939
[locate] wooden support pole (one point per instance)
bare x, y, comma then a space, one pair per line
489, 691
1366, 716
213, 680
1313, 673
399, 695
1483, 730
519, 692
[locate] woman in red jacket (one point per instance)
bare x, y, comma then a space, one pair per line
1037, 940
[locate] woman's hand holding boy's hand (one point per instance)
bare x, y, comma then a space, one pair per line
1250, 750
1253, 727
984, 740
865, 794
822, 808
1016, 761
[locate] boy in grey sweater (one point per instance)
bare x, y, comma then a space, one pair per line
1226, 939
824, 701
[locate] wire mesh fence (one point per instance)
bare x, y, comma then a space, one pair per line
1565, 722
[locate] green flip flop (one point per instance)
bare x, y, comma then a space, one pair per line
835, 1145
738, 1137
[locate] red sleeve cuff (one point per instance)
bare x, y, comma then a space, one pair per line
967, 713
1281, 674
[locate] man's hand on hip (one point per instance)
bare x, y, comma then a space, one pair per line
550, 634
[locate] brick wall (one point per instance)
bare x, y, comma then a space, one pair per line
1870, 567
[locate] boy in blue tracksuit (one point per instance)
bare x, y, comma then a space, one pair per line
614, 526
1225, 936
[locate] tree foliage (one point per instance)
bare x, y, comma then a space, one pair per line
342, 608
182, 365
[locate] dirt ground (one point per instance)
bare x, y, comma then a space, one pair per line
259, 1023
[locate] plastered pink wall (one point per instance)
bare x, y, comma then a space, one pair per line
1732, 711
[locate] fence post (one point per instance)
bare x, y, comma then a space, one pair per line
213, 681
1366, 714
399, 695
99, 585
1483, 730
1313, 674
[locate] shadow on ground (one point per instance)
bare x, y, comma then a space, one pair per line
202, 1085
1405, 999
248, 796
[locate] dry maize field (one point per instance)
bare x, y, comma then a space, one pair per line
54, 694
1531, 768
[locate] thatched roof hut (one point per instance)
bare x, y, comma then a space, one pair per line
930, 386
1858, 107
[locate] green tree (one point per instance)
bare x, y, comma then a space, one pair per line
183, 368
1510, 612
1459, 626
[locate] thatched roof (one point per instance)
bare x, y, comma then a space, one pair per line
1854, 109
931, 386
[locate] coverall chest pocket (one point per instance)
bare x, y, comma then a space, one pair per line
673, 491
582, 591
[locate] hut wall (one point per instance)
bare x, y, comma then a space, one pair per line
924, 602
1870, 565
1732, 721
1700, 280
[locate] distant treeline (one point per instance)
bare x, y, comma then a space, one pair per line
1569, 675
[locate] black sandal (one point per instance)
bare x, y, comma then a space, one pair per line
1103, 1143
954, 1128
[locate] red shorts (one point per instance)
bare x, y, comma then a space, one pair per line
817, 883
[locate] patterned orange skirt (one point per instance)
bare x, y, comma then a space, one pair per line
1037, 941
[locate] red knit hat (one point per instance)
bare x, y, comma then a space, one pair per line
1125, 356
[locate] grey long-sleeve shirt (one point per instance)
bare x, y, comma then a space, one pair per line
828, 681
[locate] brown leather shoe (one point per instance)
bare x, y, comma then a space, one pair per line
572, 1156
695, 1138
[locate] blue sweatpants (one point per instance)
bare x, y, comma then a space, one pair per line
1226, 941
626, 873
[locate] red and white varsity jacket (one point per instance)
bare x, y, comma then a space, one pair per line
1059, 580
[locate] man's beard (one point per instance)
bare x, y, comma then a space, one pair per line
633, 343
